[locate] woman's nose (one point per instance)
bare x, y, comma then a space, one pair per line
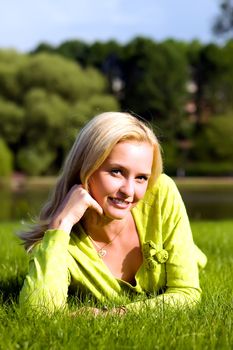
127, 188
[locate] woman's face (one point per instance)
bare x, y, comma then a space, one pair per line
121, 181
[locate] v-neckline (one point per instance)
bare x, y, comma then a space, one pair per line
91, 245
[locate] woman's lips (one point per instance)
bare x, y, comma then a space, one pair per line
119, 203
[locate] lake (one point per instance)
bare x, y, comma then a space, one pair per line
206, 200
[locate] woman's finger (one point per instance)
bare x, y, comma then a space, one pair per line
95, 205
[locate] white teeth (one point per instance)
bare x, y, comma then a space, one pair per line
119, 201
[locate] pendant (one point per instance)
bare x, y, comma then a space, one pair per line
102, 252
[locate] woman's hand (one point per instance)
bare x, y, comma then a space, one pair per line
73, 207
120, 311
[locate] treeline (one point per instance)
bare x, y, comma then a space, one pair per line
183, 89
44, 100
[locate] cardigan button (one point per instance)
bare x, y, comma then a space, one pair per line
162, 256
153, 256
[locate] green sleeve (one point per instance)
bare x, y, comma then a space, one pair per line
182, 276
46, 285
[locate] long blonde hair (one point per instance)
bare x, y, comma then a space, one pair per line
92, 146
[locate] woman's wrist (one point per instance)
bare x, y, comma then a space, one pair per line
118, 310
61, 224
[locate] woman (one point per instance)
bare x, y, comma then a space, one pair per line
115, 227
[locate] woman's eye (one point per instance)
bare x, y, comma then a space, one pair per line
116, 171
142, 178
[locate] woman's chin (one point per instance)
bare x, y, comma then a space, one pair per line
116, 214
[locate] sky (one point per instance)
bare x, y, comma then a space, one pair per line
26, 23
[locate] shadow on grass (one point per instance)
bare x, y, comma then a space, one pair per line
10, 289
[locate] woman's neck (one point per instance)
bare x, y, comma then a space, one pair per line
102, 228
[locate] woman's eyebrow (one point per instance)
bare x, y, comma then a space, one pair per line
117, 165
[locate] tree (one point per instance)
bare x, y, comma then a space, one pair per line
76, 50
212, 73
35, 160
43, 47
53, 73
45, 100
212, 152
223, 24
6, 159
10, 63
155, 82
218, 136
12, 119
47, 112
108, 58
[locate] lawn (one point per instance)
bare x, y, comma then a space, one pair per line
208, 326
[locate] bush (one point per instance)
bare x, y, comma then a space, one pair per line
217, 168
34, 160
6, 160
12, 121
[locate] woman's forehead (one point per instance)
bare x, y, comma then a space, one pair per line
132, 152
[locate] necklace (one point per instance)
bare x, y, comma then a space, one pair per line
101, 250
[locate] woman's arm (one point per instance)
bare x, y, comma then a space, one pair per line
46, 285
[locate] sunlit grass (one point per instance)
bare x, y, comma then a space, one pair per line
209, 326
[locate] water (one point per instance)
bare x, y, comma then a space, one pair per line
212, 204
201, 203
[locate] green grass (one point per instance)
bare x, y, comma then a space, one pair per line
209, 326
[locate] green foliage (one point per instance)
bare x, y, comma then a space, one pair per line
156, 76
47, 96
226, 77
10, 64
219, 137
6, 160
75, 50
47, 113
212, 73
35, 160
208, 168
96, 104
56, 75
100, 52
103, 103
217, 72
43, 47
207, 326
93, 83
12, 121
44, 101
170, 157
215, 142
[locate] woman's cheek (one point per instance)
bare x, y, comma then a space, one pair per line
142, 190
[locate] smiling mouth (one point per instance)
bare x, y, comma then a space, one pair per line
119, 202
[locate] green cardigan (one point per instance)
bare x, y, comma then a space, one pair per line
168, 274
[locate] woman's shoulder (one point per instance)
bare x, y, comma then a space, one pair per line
163, 193
164, 184
162, 190
164, 179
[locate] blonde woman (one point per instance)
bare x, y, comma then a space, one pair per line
115, 228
